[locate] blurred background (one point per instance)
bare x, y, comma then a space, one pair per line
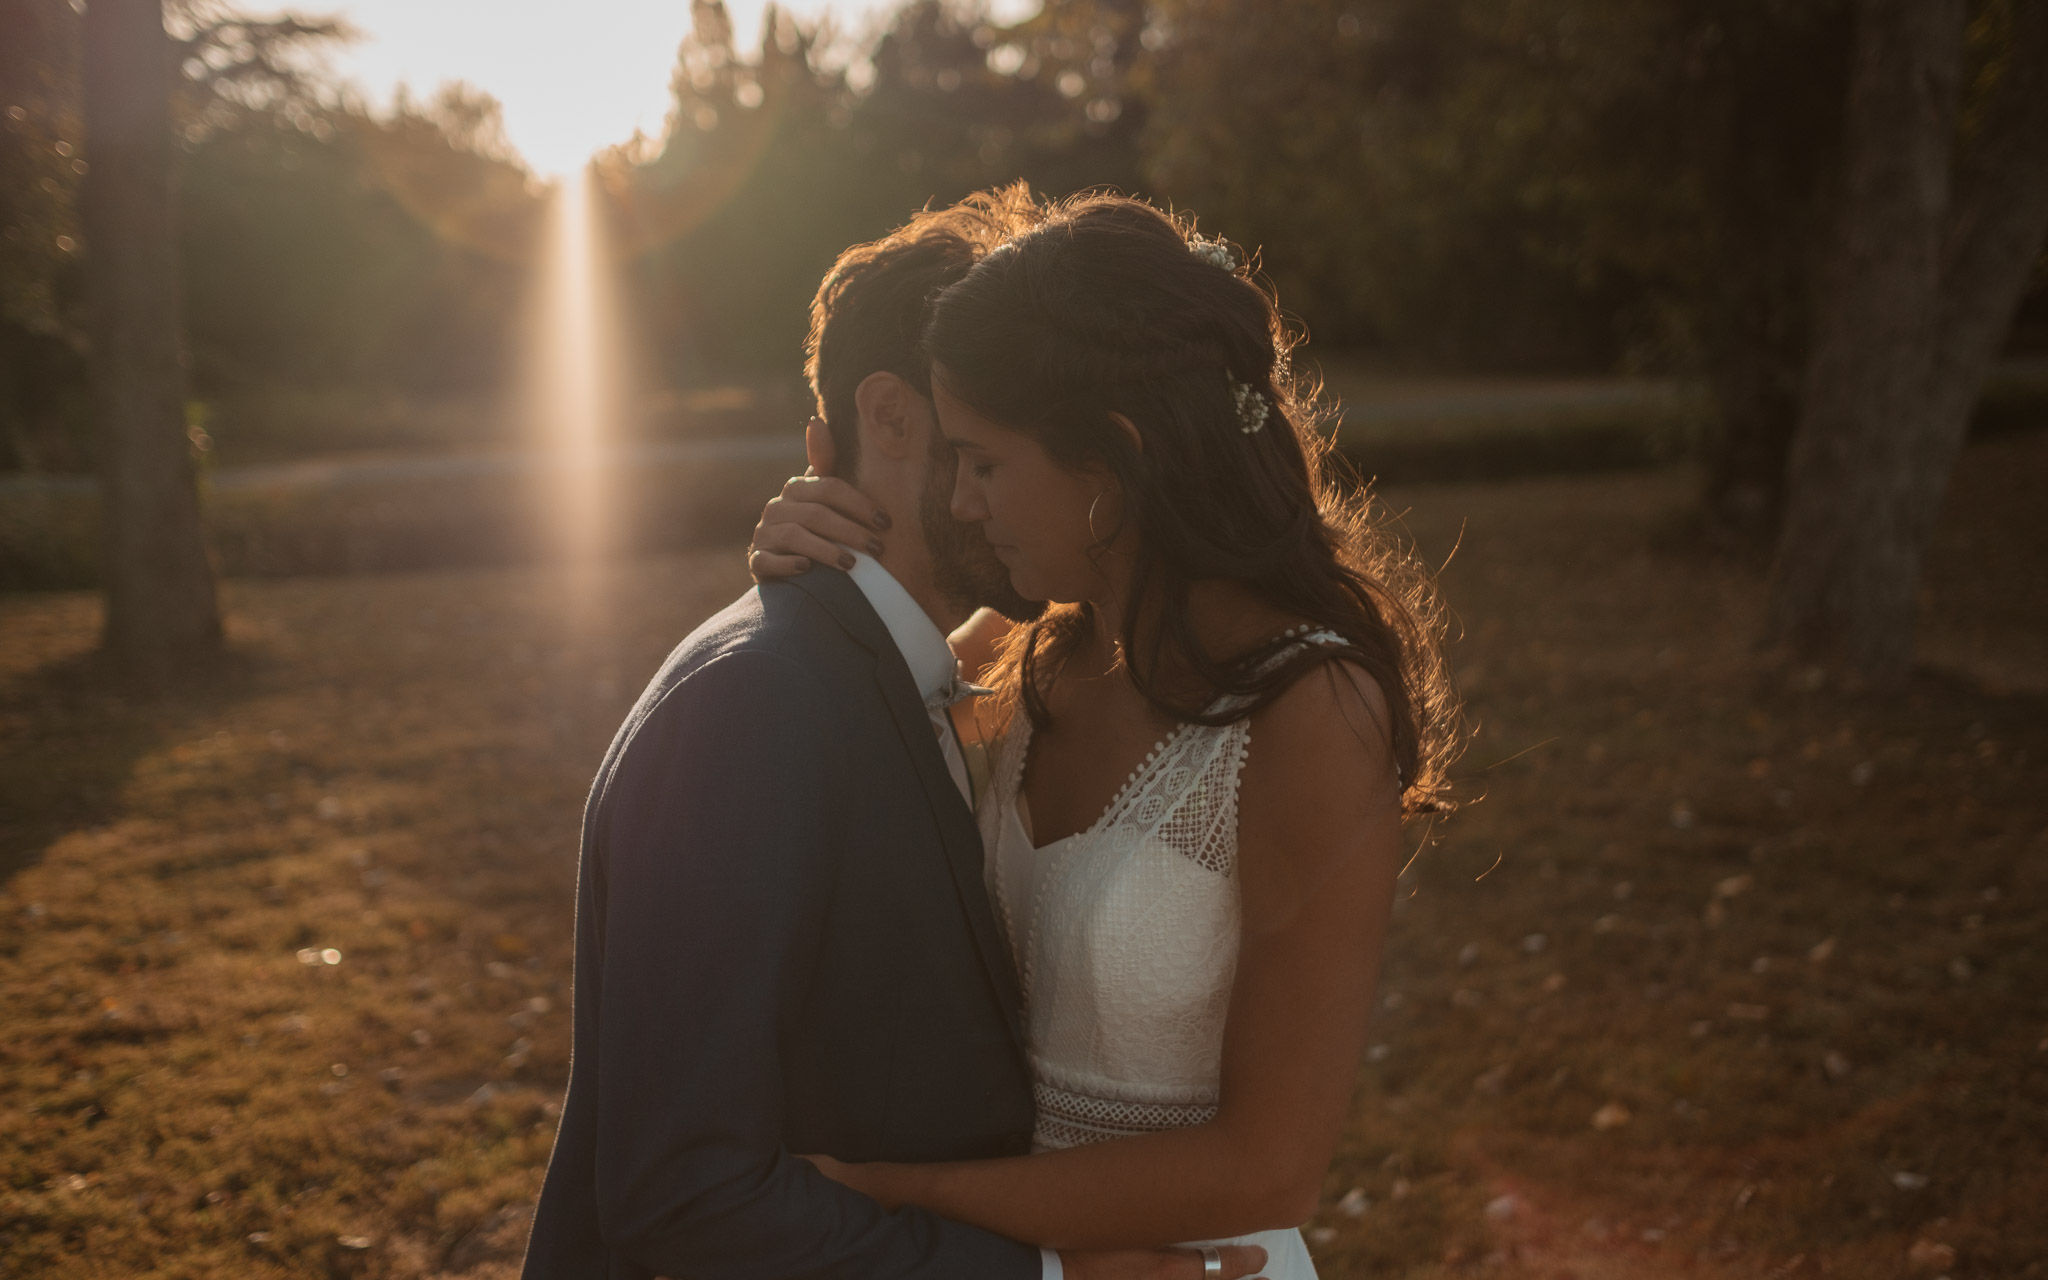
384, 390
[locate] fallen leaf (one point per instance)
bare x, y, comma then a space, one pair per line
1611, 1116
1930, 1256
1820, 951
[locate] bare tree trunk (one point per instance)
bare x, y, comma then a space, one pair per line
161, 609
1915, 296
1754, 374
1768, 203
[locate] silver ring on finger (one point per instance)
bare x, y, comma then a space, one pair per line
1212, 1262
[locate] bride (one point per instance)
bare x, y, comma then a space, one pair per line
1202, 751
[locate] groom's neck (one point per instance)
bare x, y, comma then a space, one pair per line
898, 487
909, 561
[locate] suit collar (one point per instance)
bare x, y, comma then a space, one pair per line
848, 606
959, 837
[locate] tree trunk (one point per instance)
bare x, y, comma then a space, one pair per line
1772, 173
1916, 294
161, 609
1754, 374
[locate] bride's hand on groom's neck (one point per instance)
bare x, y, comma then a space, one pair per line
813, 521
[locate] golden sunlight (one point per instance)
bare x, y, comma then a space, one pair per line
579, 379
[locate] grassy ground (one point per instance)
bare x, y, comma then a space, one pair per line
1728, 973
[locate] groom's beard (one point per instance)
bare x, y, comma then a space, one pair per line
964, 567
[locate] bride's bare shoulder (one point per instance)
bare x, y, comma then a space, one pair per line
1329, 727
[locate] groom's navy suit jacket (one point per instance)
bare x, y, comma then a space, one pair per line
783, 945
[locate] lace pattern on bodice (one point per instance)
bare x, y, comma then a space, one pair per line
1127, 947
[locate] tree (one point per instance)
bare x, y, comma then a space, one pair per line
1401, 164
162, 614
41, 379
233, 71
771, 162
1941, 214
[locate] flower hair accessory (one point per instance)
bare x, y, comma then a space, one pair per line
1251, 405
1214, 252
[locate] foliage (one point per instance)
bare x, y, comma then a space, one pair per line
1497, 182
769, 166
323, 246
1537, 185
346, 250
1382, 157
40, 162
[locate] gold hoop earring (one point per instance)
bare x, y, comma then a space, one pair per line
1100, 541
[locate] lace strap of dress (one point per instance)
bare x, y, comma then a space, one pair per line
1291, 642
1301, 637
1195, 760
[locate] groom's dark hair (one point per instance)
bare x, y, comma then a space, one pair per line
869, 314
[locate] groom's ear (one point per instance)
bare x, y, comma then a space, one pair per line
886, 415
819, 450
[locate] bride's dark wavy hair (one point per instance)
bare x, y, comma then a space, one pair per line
1104, 308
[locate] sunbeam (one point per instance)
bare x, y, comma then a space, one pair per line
579, 391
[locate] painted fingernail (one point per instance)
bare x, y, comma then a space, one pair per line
874, 546
846, 560
881, 519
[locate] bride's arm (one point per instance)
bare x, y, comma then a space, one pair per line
1319, 848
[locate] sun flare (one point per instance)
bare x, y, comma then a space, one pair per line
580, 382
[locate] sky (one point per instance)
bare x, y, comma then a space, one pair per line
574, 75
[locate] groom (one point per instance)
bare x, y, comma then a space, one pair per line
783, 941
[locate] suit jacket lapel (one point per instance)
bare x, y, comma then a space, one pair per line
959, 837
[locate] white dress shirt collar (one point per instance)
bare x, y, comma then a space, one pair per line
917, 637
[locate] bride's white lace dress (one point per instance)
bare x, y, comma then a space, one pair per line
1125, 938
